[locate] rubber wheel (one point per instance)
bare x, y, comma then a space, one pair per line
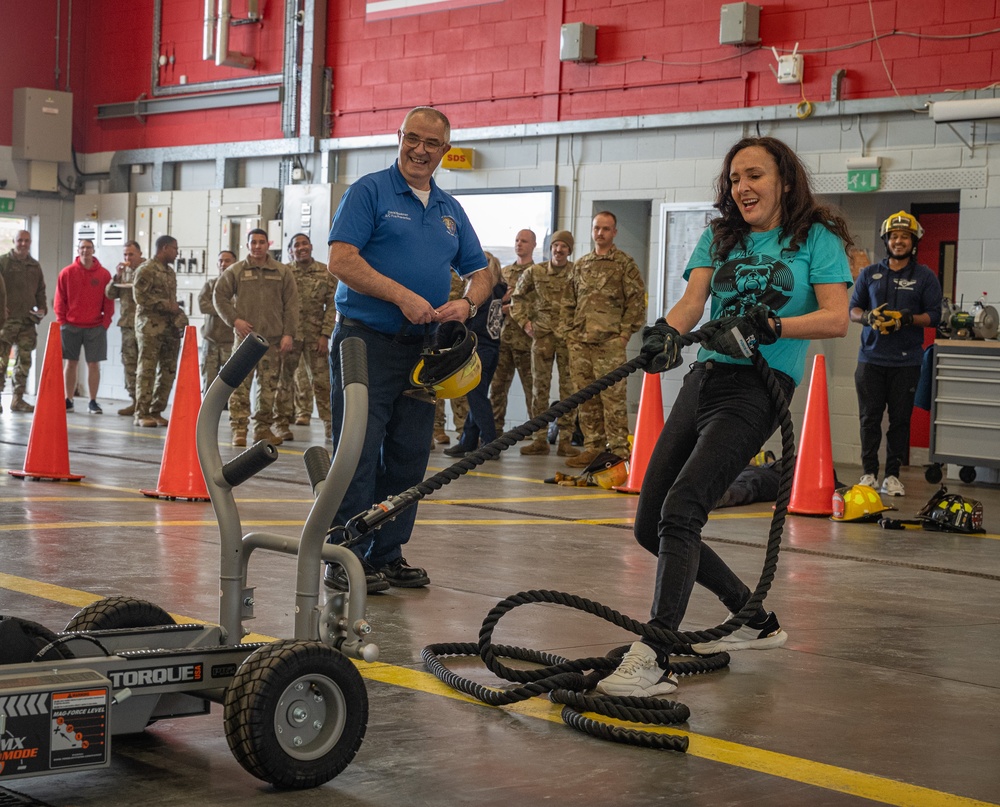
933, 474
22, 640
967, 474
112, 613
296, 713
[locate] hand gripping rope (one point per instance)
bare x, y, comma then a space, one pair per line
564, 680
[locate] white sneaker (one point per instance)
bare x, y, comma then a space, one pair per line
767, 637
869, 480
891, 486
638, 675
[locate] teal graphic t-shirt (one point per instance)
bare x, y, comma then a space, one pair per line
764, 272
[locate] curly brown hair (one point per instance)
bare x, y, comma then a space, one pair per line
799, 208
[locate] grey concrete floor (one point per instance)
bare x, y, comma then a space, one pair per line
888, 690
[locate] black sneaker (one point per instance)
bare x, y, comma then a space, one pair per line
457, 450
402, 576
94, 408
69, 404
336, 578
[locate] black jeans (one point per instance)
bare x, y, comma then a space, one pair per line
880, 388
721, 418
479, 423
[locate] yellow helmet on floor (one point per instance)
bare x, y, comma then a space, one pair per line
450, 367
607, 470
857, 503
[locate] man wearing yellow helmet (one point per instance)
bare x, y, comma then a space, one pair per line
894, 300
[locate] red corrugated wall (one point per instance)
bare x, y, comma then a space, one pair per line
498, 63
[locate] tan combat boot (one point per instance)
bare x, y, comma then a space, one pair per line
582, 460
126, 411
567, 449
441, 436
267, 434
284, 432
535, 447
239, 437
18, 404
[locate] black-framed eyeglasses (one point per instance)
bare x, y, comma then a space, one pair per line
413, 141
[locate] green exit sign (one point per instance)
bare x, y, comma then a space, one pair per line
7, 204
864, 180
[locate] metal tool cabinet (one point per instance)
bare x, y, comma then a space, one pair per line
965, 408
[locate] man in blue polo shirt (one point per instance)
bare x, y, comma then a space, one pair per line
894, 299
393, 244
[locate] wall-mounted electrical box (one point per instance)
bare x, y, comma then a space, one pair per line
43, 125
739, 24
578, 42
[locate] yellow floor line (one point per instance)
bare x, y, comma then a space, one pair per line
784, 766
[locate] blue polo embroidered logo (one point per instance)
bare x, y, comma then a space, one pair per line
450, 225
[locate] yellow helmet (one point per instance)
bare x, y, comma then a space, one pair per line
450, 367
902, 221
607, 470
857, 503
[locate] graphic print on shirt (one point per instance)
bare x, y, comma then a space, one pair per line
745, 281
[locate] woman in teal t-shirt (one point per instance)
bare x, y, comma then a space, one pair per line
776, 259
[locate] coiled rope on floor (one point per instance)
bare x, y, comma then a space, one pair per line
564, 680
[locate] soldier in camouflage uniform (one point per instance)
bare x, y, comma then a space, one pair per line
460, 405
216, 335
304, 398
605, 304
317, 318
258, 295
158, 324
515, 344
536, 306
120, 288
21, 276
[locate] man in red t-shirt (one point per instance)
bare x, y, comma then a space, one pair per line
83, 314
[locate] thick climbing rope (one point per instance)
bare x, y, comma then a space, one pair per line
565, 680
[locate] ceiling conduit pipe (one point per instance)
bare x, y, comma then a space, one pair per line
208, 32
223, 58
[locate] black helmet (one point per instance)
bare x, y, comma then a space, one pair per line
950, 512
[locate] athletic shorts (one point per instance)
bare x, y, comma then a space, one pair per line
93, 340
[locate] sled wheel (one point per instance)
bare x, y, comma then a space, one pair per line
22, 640
967, 474
296, 713
112, 613
933, 474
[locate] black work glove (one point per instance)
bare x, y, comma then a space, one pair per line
661, 346
740, 337
905, 318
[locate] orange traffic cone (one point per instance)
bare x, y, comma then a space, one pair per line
814, 481
648, 426
48, 441
180, 471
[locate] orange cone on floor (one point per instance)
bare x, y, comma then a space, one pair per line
648, 426
180, 471
814, 480
48, 441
